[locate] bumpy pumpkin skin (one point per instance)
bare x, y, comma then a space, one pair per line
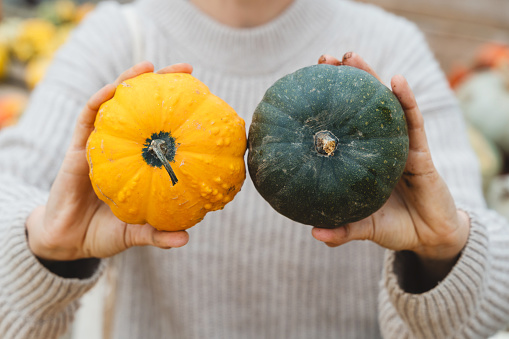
327, 182
205, 145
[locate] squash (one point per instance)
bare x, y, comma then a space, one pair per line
4, 59
35, 70
327, 145
489, 155
12, 104
166, 151
33, 38
484, 99
57, 12
492, 55
82, 11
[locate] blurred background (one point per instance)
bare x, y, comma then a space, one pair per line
470, 39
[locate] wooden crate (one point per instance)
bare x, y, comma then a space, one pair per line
454, 28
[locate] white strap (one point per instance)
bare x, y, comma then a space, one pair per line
133, 22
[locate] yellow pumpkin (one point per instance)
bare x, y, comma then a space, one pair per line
35, 70
166, 151
4, 59
33, 38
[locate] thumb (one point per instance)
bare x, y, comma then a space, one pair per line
146, 235
86, 119
360, 230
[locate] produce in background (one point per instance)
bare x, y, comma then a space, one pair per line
489, 155
483, 93
12, 104
492, 55
64, 12
37, 66
34, 41
33, 38
482, 89
9, 27
82, 11
489, 56
58, 12
8, 30
4, 59
165, 151
484, 99
35, 70
327, 145
27, 47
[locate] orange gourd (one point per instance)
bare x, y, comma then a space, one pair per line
165, 151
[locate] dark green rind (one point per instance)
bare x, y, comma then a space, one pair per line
359, 177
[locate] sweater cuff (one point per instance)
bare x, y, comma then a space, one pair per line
29, 292
440, 311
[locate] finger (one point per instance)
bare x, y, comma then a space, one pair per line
328, 60
140, 68
361, 230
146, 235
354, 60
163, 239
176, 68
332, 237
415, 121
86, 119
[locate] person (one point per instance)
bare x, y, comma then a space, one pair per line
436, 261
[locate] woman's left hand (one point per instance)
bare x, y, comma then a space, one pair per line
420, 215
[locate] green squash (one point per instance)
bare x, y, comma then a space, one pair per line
327, 145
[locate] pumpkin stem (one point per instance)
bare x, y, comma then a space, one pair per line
325, 143
158, 146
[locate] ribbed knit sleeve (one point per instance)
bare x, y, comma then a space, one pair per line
473, 300
34, 302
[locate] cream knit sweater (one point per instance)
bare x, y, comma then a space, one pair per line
247, 272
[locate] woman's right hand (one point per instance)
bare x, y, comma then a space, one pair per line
75, 224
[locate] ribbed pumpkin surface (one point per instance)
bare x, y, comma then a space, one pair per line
202, 138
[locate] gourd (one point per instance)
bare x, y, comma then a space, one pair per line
12, 104
35, 70
484, 99
327, 145
166, 151
489, 155
4, 59
33, 38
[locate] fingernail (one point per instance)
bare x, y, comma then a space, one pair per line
347, 55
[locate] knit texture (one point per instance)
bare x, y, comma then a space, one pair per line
247, 271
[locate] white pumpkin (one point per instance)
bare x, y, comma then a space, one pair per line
489, 155
484, 98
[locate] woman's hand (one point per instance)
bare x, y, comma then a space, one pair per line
420, 215
74, 223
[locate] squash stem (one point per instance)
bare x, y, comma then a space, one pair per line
325, 143
157, 146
